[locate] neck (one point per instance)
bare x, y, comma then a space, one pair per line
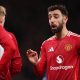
63, 33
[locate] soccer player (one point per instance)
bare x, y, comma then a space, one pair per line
10, 59
60, 53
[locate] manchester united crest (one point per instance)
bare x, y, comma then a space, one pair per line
68, 47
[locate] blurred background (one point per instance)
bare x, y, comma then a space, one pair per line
28, 20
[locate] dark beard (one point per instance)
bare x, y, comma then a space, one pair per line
57, 30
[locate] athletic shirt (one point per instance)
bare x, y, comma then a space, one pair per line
60, 57
10, 59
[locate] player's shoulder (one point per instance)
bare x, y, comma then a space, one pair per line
48, 40
73, 34
11, 35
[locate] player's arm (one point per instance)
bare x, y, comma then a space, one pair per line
8, 48
39, 64
16, 61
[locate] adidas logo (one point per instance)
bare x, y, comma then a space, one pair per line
51, 49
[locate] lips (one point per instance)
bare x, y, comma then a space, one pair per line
53, 26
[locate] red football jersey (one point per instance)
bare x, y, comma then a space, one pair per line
61, 58
10, 59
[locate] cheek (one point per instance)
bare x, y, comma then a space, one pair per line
61, 21
2, 18
49, 21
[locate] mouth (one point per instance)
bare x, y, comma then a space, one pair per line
53, 27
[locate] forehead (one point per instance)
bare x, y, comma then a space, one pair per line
54, 12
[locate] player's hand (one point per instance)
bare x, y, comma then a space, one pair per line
32, 56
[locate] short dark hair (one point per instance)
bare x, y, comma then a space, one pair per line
62, 8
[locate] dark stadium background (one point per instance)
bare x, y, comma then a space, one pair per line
28, 20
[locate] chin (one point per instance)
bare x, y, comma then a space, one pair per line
56, 30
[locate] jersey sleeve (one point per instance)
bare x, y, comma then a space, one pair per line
41, 65
78, 42
8, 48
16, 61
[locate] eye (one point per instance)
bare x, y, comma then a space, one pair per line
49, 16
56, 16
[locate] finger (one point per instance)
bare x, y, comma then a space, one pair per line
30, 51
32, 54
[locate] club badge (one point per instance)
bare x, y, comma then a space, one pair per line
68, 47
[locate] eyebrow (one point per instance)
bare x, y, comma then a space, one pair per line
55, 14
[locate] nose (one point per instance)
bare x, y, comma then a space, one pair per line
52, 21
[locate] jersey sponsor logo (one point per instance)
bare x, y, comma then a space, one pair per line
68, 47
51, 49
1, 51
59, 59
61, 67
